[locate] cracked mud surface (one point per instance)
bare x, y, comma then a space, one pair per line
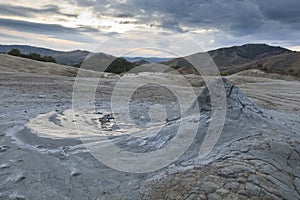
257, 156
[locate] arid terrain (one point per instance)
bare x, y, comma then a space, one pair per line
150, 100
42, 156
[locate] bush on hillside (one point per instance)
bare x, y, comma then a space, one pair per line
33, 56
14, 52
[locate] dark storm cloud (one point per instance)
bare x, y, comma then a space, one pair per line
230, 21
124, 15
51, 30
287, 11
41, 28
10, 10
237, 17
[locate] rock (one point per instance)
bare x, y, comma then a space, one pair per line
233, 185
75, 173
16, 196
253, 178
297, 184
213, 196
280, 148
20, 179
252, 189
294, 156
252, 158
209, 187
42, 96
4, 166
236, 100
4, 148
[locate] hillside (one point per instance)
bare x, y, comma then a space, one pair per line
148, 59
107, 63
16, 64
250, 56
76, 57
229, 60
72, 58
285, 64
237, 55
62, 57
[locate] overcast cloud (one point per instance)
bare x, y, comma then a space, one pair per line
216, 22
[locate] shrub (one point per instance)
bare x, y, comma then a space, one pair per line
14, 52
33, 56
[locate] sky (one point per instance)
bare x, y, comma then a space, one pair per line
149, 27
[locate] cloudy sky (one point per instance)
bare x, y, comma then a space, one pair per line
161, 24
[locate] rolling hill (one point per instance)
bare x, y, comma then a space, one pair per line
229, 60
250, 56
96, 61
75, 57
10, 63
70, 58
107, 63
283, 64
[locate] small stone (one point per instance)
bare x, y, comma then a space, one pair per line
209, 187
41, 96
252, 189
20, 179
4, 148
4, 166
294, 156
253, 178
297, 184
232, 186
115, 127
16, 196
213, 196
75, 174
280, 148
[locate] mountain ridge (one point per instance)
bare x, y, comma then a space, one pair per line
229, 60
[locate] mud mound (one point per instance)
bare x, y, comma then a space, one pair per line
235, 99
255, 157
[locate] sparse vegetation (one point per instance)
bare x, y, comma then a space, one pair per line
77, 65
260, 66
119, 65
291, 70
14, 52
33, 56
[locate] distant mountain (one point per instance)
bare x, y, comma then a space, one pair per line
148, 59
70, 58
234, 59
238, 55
229, 60
141, 62
285, 64
96, 61
107, 63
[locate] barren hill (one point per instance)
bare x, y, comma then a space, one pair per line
63, 57
17, 64
284, 64
250, 56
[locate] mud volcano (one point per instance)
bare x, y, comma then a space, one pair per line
254, 158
